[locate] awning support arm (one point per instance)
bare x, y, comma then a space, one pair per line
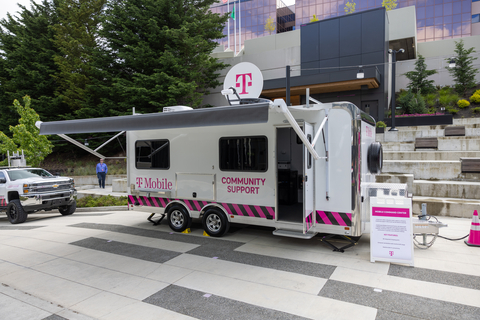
79, 144
281, 107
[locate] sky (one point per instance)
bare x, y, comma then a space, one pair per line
12, 7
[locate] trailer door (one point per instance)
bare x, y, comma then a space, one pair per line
308, 182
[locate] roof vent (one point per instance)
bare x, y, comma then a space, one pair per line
176, 109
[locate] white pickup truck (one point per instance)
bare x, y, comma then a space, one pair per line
25, 190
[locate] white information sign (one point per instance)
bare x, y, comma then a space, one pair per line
391, 232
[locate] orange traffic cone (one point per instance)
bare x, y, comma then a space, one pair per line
474, 238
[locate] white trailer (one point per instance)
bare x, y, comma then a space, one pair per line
302, 169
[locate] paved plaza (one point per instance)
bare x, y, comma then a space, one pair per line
117, 265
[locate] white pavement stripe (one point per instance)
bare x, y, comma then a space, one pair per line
269, 277
48, 287
469, 297
144, 311
298, 303
103, 279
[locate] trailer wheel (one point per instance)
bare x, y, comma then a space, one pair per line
15, 212
375, 157
215, 223
68, 210
178, 218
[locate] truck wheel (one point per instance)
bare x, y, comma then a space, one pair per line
68, 210
375, 157
215, 223
178, 218
15, 212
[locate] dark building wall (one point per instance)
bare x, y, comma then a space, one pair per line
330, 47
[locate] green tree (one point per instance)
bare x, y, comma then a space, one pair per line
157, 53
26, 136
418, 77
26, 62
270, 25
349, 7
463, 73
314, 18
389, 4
76, 38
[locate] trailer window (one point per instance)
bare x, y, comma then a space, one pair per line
243, 154
152, 154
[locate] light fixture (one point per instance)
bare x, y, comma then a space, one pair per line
451, 64
360, 74
86, 142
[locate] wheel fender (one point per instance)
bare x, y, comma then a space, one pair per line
181, 203
215, 206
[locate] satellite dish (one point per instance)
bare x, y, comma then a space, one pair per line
247, 80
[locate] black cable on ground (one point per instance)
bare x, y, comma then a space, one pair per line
428, 218
454, 239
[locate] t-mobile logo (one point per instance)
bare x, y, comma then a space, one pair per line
391, 253
245, 81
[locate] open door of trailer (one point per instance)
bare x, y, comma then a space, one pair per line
308, 182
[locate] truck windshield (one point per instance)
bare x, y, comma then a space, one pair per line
28, 173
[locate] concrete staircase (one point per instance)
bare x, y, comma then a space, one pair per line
434, 176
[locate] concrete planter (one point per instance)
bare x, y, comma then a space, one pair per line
421, 120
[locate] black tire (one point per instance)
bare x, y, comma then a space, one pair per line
215, 223
178, 218
375, 157
68, 210
15, 212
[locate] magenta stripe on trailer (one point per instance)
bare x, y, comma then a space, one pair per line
187, 202
237, 209
339, 219
259, 211
349, 215
204, 203
146, 201
164, 204
324, 217
132, 200
199, 207
271, 211
140, 201
155, 202
227, 208
249, 211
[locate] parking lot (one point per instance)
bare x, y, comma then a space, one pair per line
117, 265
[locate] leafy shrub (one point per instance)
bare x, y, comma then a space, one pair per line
475, 98
445, 90
476, 110
447, 100
463, 103
431, 99
381, 124
103, 201
452, 111
411, 103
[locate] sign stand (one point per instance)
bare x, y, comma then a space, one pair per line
391, 231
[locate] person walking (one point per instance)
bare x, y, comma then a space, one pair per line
101, 173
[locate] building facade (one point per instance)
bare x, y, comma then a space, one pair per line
435, 19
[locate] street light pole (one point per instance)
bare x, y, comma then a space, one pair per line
394, 63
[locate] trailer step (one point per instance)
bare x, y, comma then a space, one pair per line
293, 234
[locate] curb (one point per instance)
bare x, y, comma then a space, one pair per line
96, 209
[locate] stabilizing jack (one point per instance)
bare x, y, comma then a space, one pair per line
156, 223
350, 242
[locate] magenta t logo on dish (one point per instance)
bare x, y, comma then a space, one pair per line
245, 81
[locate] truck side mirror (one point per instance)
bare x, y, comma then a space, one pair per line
3, 180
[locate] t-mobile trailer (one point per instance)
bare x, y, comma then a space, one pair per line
300, 169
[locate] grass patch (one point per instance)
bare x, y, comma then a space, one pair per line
103, 201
